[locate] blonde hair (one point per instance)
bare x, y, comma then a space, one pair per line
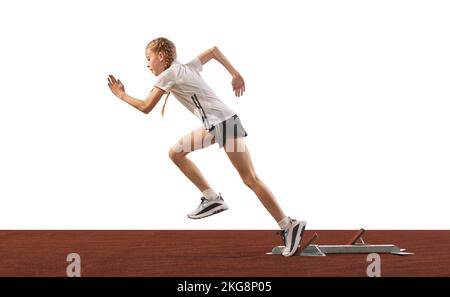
167, 47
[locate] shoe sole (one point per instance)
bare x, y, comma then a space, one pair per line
208, 215
298, 240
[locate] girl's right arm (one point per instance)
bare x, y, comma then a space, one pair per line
237, 82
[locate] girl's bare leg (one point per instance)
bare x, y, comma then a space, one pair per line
243, 163
178, 154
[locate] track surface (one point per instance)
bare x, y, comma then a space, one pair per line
212, 253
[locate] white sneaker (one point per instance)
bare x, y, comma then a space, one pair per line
208, 208
292, 237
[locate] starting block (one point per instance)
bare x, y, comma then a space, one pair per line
355, 245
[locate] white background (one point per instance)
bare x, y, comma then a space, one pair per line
347, 109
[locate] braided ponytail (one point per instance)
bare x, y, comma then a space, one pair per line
167, 47
164, 106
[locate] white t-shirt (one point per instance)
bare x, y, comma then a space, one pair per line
186, 84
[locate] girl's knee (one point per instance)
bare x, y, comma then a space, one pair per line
175, 153
250, 180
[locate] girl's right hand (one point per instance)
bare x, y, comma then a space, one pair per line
238, 85
116, 86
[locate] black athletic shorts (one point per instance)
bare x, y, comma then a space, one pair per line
231, 127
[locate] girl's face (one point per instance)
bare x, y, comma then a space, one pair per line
155, 62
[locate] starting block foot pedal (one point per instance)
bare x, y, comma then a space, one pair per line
355, 246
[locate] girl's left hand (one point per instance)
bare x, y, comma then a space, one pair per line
238, 85
116, 86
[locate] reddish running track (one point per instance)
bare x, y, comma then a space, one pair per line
223, 253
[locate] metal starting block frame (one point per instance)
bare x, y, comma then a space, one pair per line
356, 245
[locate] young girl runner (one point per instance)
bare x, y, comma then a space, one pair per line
220, 125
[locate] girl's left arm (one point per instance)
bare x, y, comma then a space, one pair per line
144, 106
